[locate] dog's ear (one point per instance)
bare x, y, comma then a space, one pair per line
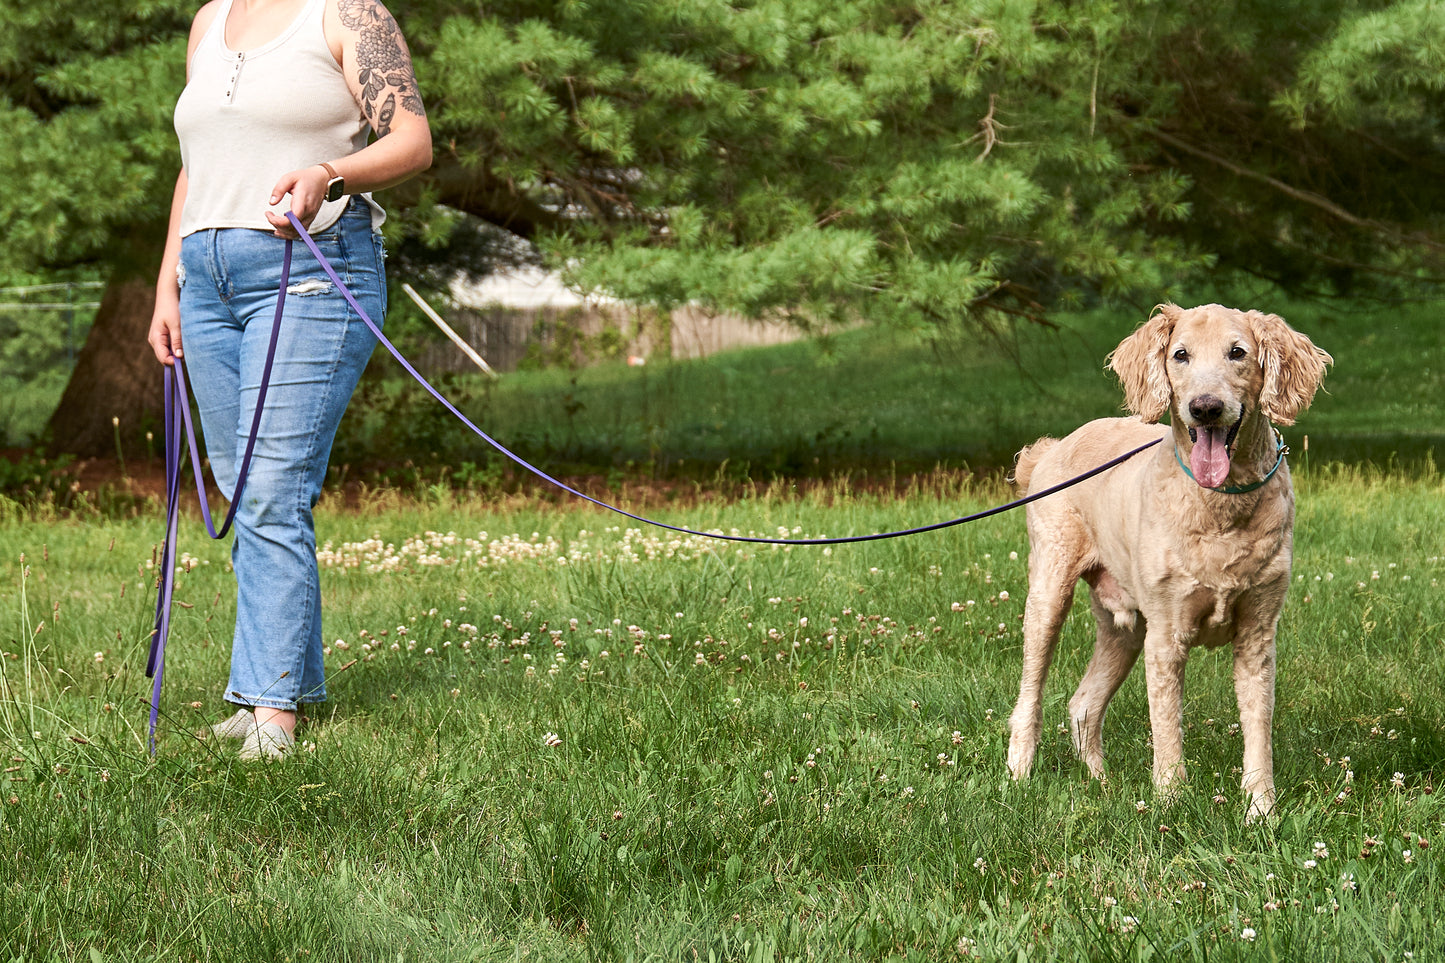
1293, 368
1139, 363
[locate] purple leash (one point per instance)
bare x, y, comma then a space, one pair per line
173, 427
175, 419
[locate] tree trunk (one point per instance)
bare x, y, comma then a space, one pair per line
116, 376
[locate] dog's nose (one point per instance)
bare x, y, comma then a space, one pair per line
1206, 409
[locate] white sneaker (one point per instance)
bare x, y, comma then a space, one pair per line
237, 727
266, 740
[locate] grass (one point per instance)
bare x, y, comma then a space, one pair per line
874, 401
691, 772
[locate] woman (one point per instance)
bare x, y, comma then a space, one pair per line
274, 117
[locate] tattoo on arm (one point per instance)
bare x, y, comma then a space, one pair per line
383, 63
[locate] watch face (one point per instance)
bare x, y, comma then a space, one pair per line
335, 189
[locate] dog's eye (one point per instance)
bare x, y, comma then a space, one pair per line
1237, 353
1181, 356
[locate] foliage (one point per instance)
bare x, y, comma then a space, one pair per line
86, 94
910, 163
1288, 184
28, 481
726, 778
916, 162
1380, 66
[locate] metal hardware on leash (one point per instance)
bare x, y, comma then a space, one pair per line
178, 419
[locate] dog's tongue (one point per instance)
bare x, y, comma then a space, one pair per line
1210, 458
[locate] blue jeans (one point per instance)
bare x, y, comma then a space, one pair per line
229, 280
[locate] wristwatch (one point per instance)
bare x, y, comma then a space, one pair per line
336, 187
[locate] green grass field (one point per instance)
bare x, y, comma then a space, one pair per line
665, 749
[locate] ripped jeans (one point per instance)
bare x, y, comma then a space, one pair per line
229, 280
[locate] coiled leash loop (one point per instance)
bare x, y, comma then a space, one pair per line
173, 426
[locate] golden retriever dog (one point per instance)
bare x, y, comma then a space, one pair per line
1186, 544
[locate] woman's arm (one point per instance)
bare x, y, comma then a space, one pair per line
377, 66
165, 332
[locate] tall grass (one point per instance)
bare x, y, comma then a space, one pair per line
734, 753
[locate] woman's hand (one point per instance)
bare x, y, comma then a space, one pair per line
307, 188
165, 333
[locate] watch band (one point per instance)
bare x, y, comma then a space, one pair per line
336, 186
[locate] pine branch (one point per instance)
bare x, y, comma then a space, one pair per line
1306, 197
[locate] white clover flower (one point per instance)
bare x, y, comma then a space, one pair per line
1248, 934
1398, 781
1321, 851
981, 865
1141, 806
1408, 856
1127, 924
1310, 864
551, 740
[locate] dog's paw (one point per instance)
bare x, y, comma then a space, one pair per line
1261, 806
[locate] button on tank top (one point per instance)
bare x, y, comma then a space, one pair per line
247, 117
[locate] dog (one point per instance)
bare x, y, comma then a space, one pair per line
1187, 544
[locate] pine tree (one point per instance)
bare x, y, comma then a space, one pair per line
917, 163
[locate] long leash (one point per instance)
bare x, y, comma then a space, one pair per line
177, 418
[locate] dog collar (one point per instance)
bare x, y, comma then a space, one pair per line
1280, 447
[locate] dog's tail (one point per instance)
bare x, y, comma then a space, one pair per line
1027, 460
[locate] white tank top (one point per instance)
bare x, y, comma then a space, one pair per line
247, 117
